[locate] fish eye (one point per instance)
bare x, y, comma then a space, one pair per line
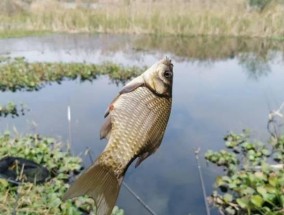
168, 74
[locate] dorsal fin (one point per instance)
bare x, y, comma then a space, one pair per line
130, 87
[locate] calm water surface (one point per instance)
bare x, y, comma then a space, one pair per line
219, 85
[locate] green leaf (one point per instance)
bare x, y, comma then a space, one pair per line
265, 152
228, 197
273, 181
3, 184
248, 191
277, 156
260, 176
257, 200
270, 189
243, 202
219, 181
230, 211
261, 190
282, 200
230, 144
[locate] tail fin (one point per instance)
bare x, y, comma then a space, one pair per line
98, 183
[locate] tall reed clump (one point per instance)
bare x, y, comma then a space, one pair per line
262, 18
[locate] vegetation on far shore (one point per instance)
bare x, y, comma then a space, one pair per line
252, 18
13, 33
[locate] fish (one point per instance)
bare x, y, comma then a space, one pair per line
135, 124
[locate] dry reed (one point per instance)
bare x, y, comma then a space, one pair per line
195, 17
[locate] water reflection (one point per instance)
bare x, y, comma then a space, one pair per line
209, 48
255, 65
253, 54
219, 85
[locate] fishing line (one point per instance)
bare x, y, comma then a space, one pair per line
139, 199
196, 152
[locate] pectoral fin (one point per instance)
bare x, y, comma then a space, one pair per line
152, 147
134, 84
106, 128
142, 158
130, 87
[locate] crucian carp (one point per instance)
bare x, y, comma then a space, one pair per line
135, 123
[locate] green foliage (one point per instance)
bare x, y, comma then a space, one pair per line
251, 184
18, 74
28, 198
259, 4
10, 33
12, 110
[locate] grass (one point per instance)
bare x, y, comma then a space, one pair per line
20, 33
222, 18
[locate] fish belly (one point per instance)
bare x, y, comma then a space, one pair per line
139, 120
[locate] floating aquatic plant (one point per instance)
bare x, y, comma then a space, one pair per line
18, 74
252, 183
12, 110
29, 198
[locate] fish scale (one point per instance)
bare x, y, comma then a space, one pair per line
131, 127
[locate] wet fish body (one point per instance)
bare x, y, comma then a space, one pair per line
139, 120
135, 124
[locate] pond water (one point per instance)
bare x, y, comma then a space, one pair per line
220, 85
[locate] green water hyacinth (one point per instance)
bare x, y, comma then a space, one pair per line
18, 74
252, 183
42, 199
12, 110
